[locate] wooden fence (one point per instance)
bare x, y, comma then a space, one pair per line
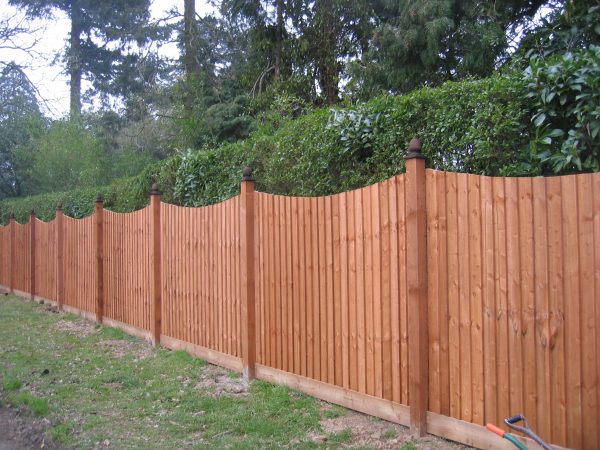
437, 300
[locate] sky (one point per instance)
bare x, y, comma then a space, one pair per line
53, 35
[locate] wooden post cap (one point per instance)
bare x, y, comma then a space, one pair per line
154, 190
247, 174
59, 206
12, 216
99, 198
414, 149
32, 212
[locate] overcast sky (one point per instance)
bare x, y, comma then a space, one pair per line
53, 35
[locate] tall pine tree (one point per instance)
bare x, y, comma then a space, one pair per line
100, 32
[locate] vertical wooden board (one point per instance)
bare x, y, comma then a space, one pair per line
433, 273
402, 275
234, 215
207, 281
528, 332
337, 307
279, 284
330, 321
238, 269
273, 308
307, 243
394, 289
284, 282
443, 293
216, 276
377, 292
386, 308
596, 209
571, 269
463, 208
476, 300
178, 300
195, 229
315, 288
344, 301
290, 284
501, 297
368, 253
515, 342
489, 304
352, 282
164, 262
360, 291
589, 386
454, 349
296, 283
302, 285
222, 300
212, 277
260, 317
221, 274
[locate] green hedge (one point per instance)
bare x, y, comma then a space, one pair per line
477, 126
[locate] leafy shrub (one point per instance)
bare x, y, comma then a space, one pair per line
476, 126
565, 91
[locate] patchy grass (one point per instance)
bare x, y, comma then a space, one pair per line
37, 405
99, 387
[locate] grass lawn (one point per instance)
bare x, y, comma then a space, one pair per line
100, 388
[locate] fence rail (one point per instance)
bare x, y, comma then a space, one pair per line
437, 300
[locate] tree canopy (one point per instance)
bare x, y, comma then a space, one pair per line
251, 66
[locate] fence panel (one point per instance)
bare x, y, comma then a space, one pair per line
5, 264
46, 270
331, 288
22, 257
513, 282
127, 265
201, 275
80, 269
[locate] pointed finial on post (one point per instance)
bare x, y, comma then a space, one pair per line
59, 206
32, 212
99, 198
414, 149
154, 190
12, 215
247, 174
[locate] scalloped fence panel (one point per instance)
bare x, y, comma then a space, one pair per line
438, 300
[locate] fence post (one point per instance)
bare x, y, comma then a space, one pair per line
99, 216
156, 262
60, 270
416, 255
247, 274
32, 254
13, 252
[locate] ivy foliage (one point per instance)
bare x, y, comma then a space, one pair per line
475, 126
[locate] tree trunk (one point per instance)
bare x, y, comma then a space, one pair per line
190, 60
192, 68
326, 59
75, 61
278, 39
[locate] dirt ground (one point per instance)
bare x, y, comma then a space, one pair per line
22, 431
